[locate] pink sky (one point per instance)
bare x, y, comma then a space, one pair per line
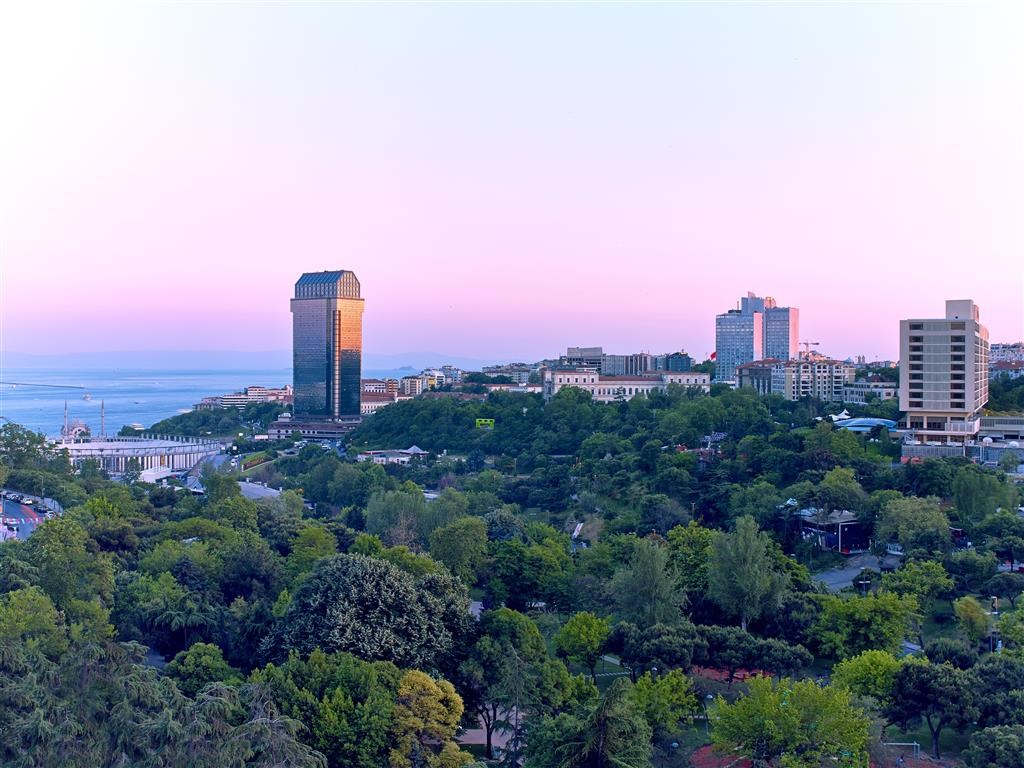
507, 180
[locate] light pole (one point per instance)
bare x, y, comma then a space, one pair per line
707, 718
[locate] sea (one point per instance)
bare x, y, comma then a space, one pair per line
35, 397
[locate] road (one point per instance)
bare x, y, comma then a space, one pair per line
21, 516
836, 579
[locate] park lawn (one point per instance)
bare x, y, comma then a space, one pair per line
250, 470
951, 742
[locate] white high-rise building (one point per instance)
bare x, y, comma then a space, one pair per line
944, 375
757, 329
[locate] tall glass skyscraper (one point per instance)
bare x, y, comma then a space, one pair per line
327, 345
755, 330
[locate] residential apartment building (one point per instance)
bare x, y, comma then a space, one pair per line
944, 368
518, 372
412, 386
247, 397
757, 329
872, 389
821, 379
608, 389
1007, 353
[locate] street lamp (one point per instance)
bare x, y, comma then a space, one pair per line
707, 718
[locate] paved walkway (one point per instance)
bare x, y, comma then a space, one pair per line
836, 579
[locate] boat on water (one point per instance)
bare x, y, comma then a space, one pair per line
87, 396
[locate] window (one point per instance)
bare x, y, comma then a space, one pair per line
916, 358
956, 339
917, 367
917, 326
957, 326
916, 376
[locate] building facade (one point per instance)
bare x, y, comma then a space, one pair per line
327, 345
781, 331
1007, 353
944, 368
755, 330
609, 389
873, 389
756, 375
821, 379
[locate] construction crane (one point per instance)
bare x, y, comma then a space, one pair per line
807, 348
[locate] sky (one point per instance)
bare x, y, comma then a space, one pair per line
506, 179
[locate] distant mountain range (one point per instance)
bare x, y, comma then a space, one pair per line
222, 360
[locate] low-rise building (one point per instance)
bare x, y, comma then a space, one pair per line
248, 396
400, 456
608, 389
371, 402
869, 390
1011, 369
518, 372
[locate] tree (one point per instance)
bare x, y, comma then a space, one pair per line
690, 549
311, 544
369, 607
970, 569
918, 525
924, 581
731, 649
839, 490
977, 493
662, 645
947, 650
869, 673
1008, 586
611, 732
462, 546
1001, 678
972, 619
645, 591
28, 616
848, 626
426, 715
200, 665
742, 576
582, 639
1001, 746
508, 673
939, 694
394, 516
809, 724
664, 700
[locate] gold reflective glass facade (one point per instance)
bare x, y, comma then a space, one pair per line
327, 345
